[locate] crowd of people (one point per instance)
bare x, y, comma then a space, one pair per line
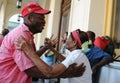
80, 57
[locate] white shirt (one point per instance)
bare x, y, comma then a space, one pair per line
77, 56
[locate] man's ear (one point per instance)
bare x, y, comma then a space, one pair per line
30, 18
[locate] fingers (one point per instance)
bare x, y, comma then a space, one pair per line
78, 66
30, 42
54, 41
82, 66
22, 38
17, 44
20, 42
51, 36
73, 65
80, 69
47, 40
50, 42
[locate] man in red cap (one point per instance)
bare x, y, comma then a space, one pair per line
15, 66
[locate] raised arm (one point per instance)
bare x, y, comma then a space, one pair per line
47, 40
50, 44
44, 68
57, 54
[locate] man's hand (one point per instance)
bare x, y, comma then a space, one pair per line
50, 42
74, 71
22, 44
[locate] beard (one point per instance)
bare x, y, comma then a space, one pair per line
36, 28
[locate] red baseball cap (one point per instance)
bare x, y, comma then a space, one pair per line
33, 7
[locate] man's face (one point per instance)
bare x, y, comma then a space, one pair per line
37, 23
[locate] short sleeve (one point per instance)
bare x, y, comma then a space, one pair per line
101, 54
106, 55
70, 59
22, 61
67, 62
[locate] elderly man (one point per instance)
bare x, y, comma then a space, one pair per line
15, 66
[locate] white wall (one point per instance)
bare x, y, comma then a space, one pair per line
88, 15
2, 15
79, 15
54, 18
97, 16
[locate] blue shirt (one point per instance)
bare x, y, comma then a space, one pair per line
95, 55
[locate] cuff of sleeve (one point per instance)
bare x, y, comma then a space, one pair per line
27, 66
65, 64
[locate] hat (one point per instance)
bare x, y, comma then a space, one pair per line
33, 7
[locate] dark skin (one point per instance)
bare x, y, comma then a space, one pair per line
36, 22
46, 71
5, 32
103, 62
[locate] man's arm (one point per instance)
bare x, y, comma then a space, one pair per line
103, 62
59, 56
40, 64
58, 70
41, 51
72, 71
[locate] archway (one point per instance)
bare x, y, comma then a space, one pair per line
14, 21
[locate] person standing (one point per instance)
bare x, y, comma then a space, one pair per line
15, 66
97, 57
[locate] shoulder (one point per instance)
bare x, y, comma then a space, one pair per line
76, 53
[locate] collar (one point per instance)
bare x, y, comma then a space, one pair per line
26, 28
